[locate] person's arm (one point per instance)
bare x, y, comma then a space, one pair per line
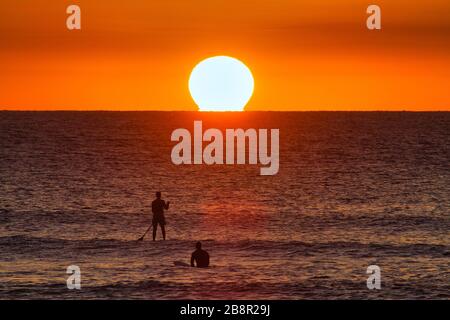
192, 260
166, 205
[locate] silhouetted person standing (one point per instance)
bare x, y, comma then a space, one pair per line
201, 257
158, 207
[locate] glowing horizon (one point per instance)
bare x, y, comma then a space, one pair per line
304, 56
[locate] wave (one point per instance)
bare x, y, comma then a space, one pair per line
389, 221
313, 288
23, 244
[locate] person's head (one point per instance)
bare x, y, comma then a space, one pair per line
158, 195
198, 245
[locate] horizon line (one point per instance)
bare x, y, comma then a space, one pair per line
244, 111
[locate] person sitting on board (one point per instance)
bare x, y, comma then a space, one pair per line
158, 206
200, 257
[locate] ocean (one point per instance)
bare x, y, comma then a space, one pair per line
354, 189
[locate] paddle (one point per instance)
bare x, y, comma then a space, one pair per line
142, 238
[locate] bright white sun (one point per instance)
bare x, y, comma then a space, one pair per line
221, 84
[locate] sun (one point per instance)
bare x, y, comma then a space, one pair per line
221, 83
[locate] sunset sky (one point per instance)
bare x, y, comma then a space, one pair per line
304, 55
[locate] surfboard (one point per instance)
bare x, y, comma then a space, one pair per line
181, 264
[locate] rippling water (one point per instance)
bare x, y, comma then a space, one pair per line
354, 189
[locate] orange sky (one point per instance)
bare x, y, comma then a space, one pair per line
304, 55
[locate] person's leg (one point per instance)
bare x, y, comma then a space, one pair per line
155, 227
163, 229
